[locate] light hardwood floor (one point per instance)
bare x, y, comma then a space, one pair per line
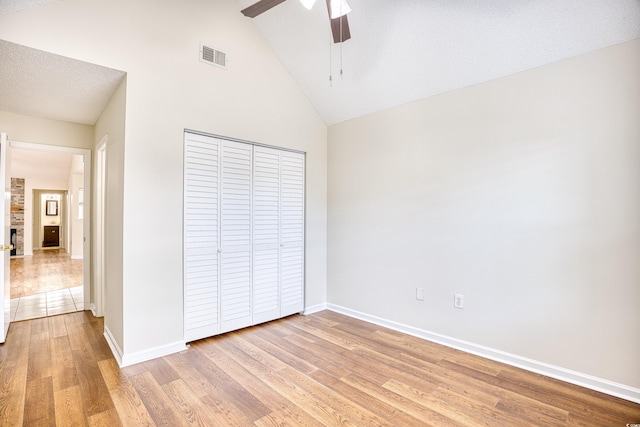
323, 369
47, 270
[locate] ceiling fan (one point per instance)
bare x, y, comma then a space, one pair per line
338, 10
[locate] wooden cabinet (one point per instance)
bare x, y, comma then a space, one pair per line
243, 234
51, 236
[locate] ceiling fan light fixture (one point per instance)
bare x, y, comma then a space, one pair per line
308, 3
339, 8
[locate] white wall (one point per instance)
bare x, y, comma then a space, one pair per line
169, 90
522, 194
112, 126
44, 131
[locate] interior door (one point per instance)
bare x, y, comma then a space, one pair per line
5, 214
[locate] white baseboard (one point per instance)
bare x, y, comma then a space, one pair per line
93, 309
314, 308
113, 345
142, 356
584, 380
152, 353
77, 257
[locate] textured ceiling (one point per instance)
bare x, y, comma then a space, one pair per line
42, 84
404, 50
8, 6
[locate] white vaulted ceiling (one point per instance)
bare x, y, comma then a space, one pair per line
400, 51
404, 50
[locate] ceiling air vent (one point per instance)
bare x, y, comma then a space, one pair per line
213, 56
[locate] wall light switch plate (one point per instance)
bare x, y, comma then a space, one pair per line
420, 294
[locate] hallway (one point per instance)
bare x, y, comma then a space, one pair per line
45, 284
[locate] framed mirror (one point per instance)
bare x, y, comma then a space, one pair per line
52, 208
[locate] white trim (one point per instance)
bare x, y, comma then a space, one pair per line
584, 380
76, 257
314, 308
99, 273
152, 353
113, 345
142, 356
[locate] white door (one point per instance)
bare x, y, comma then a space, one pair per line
235, 235
201, 236
292, 233
266, 234
5, 236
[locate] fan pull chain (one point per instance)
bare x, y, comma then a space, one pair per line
330, 64
341, 58
341, 41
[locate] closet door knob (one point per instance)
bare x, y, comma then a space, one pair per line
219, 250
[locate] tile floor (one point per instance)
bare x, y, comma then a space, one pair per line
47, 304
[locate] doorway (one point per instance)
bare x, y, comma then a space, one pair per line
51, 269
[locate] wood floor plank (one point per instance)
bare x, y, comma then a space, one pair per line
68, 407
229, 395
274, 348
456, 408
227, 399
282, 409
107, 418
77, 336
350, 410
63, 368
161, 371
327, 359
40, 356
379, 407
127, 402
158, 404
39, 406
427, 415
95, 394
331, 337
13, 374
185, 368
193, 410
12, 394
57, 326
99, 347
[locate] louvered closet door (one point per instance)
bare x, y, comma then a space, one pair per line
236, 239
292, 233
201, 228
266, 234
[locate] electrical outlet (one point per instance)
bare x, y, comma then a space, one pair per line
458, 300
420, 294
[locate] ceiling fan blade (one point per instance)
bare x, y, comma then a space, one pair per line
260, 7
340, 34
339, 26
